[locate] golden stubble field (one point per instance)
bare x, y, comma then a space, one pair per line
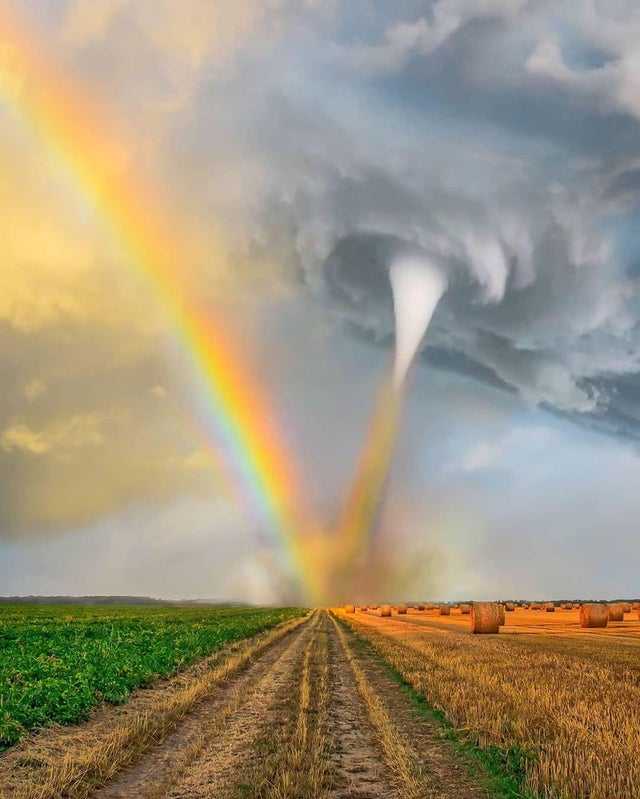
567, 697
524, 621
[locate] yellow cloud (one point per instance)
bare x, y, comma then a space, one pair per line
20, 437
88, 22
201, 30
82, 430
34, 388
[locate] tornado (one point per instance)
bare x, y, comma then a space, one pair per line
417, 286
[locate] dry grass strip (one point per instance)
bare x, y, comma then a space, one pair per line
296, 767
75, 773
403, 765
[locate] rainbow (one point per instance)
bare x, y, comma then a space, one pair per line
70, 126
357, 522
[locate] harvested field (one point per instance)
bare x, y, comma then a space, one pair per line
553, 698
530, 622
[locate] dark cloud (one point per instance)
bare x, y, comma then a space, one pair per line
500, 141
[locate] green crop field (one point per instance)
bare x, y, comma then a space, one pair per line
57, 662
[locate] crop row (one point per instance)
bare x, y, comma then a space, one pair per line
57, 663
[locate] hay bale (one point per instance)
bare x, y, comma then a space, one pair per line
509, 607
501, 616
550, 607
485, 617
402, 610
445, 610
626, 607
465, 609
349, 609
594, 615
385, 610
616, 612
420, 607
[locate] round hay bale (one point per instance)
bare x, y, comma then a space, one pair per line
402, 610
420, 607
465, 609
445, 610
349, 609
509, 607
550, 607
385, 610
626, 607
616, 612
594, 615
485, 617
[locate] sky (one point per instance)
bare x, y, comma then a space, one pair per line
297, 148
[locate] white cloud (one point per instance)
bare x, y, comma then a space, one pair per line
482, 456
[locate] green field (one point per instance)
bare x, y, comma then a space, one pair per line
57, 662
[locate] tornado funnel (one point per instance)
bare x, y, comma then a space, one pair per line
417, 286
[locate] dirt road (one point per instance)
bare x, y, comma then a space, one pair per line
313, 715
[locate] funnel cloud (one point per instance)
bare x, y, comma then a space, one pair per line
417, 287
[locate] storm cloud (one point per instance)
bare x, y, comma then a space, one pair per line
500, 139
301, 147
